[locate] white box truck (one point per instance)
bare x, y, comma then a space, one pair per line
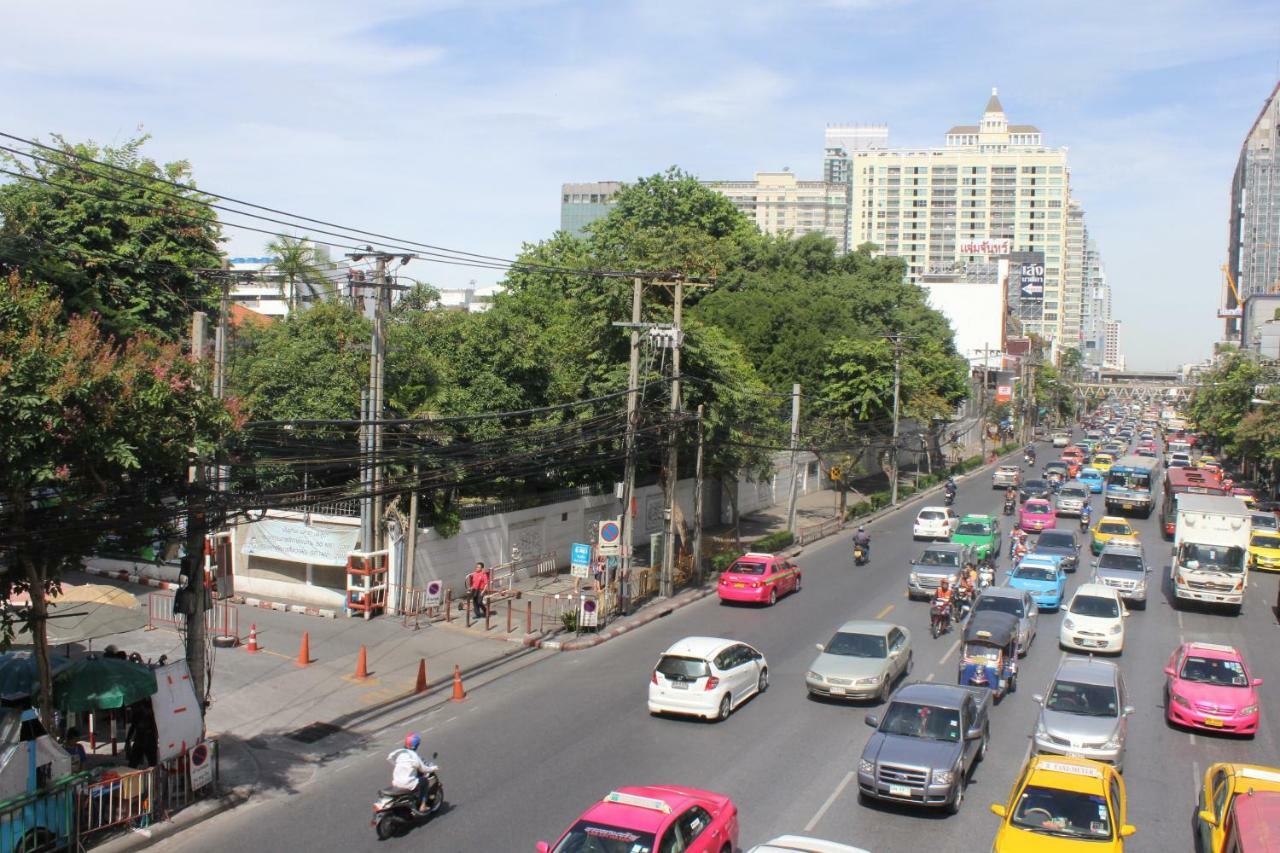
1211, 549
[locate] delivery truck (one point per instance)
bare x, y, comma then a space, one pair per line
1210, 551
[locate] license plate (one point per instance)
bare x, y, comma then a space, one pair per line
1127, 506
680, 685
739, 586
1213, 721
899, 791
837, 691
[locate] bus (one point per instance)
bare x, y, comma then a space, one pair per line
1131, 485
1182, 481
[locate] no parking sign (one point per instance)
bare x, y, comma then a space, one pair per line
609, 541
201, 763
588, 614
434, 594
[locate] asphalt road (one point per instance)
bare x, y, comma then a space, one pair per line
524, 756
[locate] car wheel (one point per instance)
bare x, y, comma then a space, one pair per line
911, 664
773, 597
797, 589
953, 807
726, 706
762, 684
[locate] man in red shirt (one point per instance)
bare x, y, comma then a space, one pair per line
477, 586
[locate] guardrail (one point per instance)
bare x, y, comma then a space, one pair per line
813, 532
125, 798
223, 620
45, 820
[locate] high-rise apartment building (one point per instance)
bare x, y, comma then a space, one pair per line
1095, 308
994, 189
1112, 358
837, 164
1253, 248
1073, 262
780, 203
582, 204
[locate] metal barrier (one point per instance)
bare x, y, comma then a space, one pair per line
127, 798
44, 820
813, 532
173, 780
223, 619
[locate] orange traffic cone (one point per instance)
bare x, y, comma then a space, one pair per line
252, 647
421, 685
362, 664
459, 694
304, 651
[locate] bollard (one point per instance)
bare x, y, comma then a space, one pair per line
304, 650
508, 616
459, 695
488, 611
448, 605
362, 664
421, 685
528, 617
252, 647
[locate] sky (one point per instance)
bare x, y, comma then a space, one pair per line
454, 122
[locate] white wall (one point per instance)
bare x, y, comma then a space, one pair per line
976, 314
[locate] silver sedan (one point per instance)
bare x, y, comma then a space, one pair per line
862, 660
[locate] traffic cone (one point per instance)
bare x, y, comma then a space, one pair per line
362, 664
252, 647
421, 685
304, 651
459, 694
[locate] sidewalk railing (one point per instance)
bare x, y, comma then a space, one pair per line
45, 820
813, 532
223, 620
128, 798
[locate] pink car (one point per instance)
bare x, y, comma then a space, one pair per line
1036, 515
1209, 688
759, 579
653, 817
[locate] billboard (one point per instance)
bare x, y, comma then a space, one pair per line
984, 247
1031, 278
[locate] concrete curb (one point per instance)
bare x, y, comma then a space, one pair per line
193, 815
656, 611
130, 577
323, 612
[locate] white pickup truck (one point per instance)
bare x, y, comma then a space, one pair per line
1210, 553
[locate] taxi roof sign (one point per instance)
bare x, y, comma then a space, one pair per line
1260, 773
1074, 769
639, 802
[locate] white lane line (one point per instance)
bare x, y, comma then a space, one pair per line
1181, 627
929, 677
1195, 779
844, 783
949, 652
451, 719
1192, 735
885, 612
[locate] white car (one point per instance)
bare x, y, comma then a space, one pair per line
1061, 439
1094, 620
706, 677
801, 844
935, 522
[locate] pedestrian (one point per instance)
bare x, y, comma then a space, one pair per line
477, 585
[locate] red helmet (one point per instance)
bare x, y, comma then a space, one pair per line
412, 741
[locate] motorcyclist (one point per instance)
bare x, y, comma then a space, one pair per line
943, 597
950, 487
863, 539
1086, 513
1030, 454
409, 771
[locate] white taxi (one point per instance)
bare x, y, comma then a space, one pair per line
1094, 620
935, 522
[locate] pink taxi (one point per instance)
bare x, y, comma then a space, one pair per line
1036, 515
653, 817
1209, 688
759, 579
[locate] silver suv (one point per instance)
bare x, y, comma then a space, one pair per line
1122, 566
943, 560
1005, 476
1084, 713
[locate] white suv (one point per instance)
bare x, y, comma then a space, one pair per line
935, 522
1094, 620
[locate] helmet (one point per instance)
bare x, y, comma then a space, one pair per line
861, 529
412, 741
946, 584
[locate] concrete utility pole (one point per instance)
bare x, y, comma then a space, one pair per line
197, 525
667, 586
697, 505
897, 388
795, 443
633, 418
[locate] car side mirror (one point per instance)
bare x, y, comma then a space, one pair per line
1168, 670
974, 733
872, 720
1208, 817
1038, 698
1257, 682
1128, 614
819, 646
1129, 710
999, 810
434, 756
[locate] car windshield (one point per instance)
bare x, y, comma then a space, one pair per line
1090, 474
1037, 508
973, 528
857, 645
1130, 480
744, 567
1000, 604
1265, 540
682, 669
1213, 558
1010, 469
1123, 562
1115, 528
589, 836
1074, 492
1034, 573
1087, 700
931, 515
1035, 485
924, 721
1056, 539
1223, 673
939, 558
1095, 606
1055, 811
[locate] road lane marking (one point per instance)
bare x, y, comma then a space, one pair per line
949, 652
885, 612
929, 677
1180, 625
1192, 735
844, 783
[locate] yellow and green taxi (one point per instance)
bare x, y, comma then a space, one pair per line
1112, 528
1264, 550
1061, 803
1221, 784
981, 533
1102, 462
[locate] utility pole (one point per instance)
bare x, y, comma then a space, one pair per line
633, 418
697, 506
197, 524
897, 393
666, 587
795, 443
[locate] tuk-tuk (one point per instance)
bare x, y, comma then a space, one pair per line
989, 657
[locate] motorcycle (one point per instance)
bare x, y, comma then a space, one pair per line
961, 604
859, 554
939, 618
1029, 459
986, 575
397, 808
1084, 522
1009, 505
949, 497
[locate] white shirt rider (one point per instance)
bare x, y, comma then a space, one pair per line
408, 766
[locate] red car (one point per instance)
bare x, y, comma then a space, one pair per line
759, 579
653, 817
1209, 688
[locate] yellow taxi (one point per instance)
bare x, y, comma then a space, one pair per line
1221, 784
1112, 528
1206, 460
1102, 462
1264, 550
1061, 803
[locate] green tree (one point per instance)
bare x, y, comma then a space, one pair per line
1224, 398
94, 442
296, 262
123, 247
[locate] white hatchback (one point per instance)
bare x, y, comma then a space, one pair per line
706, 677
1094, 620
935, 522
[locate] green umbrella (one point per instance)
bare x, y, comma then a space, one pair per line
18, 675
100, 684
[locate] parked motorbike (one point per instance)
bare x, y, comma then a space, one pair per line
396, 808
859, 554
939, 618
